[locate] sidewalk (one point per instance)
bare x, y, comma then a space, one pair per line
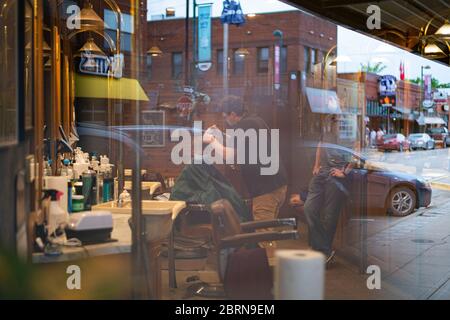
413, 254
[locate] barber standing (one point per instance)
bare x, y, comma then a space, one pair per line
268, 192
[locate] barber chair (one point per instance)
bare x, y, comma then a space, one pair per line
242, 265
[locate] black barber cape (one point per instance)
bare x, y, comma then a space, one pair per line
204, 184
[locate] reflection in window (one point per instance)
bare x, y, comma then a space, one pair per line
263, 60
177, 65
127, 29
238, 63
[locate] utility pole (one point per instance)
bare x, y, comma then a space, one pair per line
186, 45
225, 59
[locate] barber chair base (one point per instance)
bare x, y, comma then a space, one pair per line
207, 290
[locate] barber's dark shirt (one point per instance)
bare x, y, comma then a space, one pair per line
256, 183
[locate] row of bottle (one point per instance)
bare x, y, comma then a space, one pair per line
89, 182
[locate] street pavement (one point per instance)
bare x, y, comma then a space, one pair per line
432, 165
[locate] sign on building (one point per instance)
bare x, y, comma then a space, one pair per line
387, 88
204, 37
99, 65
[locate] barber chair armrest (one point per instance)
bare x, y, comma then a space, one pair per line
242, 239
254, 225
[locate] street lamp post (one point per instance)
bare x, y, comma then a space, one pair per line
422, 91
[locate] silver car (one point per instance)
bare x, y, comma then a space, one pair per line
421, 141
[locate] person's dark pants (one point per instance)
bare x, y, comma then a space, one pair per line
322, 209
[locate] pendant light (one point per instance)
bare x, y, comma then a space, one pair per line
89, 19
432, 51
444, 31
242, 52
90, 48
154, 51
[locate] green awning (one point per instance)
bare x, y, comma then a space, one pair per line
109, 88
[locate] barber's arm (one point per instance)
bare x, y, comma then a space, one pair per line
210, 137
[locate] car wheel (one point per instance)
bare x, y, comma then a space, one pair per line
401, 202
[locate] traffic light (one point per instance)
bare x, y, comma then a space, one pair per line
387, 101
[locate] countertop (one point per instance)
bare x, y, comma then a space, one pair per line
121, 232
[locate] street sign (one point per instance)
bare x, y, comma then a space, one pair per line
204, 33
427, 104
277, 67
204, 66
440, 97
188, 90
184, 103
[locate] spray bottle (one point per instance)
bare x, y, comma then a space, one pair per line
57, 217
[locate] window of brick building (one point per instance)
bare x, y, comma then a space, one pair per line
307, 58
238, 63
283, 59
219, 64
127, 29
148, 66
263, 60
177, 64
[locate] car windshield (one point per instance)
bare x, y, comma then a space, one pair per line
390, 136
416, 136
436, 130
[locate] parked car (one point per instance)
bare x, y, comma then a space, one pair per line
440, 134
395, 141
392, 192
421, 141
382, 190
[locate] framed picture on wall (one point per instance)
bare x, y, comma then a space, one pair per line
153, 132
9, 64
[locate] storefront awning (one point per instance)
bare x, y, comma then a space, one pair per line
323, 101
107, 88
406, 113
402, 110
430, 120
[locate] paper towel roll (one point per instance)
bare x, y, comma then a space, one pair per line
58, 183
299, 275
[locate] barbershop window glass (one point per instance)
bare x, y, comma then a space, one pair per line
9, 72
127, 29
263, 60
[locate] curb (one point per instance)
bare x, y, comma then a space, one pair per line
441, 186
